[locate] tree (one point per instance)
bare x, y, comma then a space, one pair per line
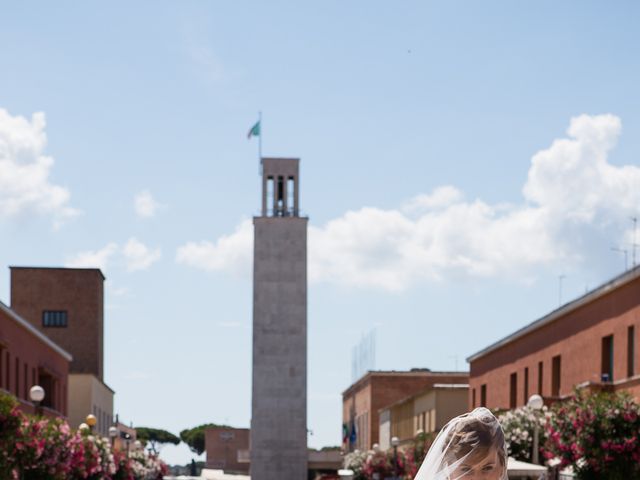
156, 437
194, 437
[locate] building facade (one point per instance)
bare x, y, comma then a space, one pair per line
90, 395
67, 306
28, 358
279, 393
425, 412
225, 447
589, 342
362, 401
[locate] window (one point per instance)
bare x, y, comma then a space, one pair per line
473, 398
483, 395
526, 384
270, 196
7, 377
291, 190
1, 367
555, 376
54, 318
631, 351
540, 377
17, 377
513, 391
25, 385
607, 359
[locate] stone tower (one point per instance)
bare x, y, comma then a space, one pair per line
278, 448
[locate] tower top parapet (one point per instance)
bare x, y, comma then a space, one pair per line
280, 187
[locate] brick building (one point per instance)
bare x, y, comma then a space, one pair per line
223, 444
67, 305
591, 342
28, 358
362, 401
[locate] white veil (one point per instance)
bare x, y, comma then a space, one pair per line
470, 446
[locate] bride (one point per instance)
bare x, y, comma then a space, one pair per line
469, 447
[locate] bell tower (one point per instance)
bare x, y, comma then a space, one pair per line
278, 449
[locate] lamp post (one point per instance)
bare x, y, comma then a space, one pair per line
36, 395
395, 441
91, 421
535, 403
113, 433
127, 437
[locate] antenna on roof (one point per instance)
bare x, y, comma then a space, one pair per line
626, 256
363, 355
635, 225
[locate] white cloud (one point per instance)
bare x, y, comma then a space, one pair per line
575, 205
25, 186
229, 253
138, 256
145, 205
135, 254
93, 259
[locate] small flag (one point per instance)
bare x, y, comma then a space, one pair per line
254, 131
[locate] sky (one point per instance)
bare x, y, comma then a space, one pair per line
457, 159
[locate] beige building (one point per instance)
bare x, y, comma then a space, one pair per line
427, 411
90, 395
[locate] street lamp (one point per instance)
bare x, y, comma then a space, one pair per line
36, 395
535, 403
113, 433
91, 421
127, 437
395, 441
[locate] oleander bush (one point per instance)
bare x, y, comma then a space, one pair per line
39, 448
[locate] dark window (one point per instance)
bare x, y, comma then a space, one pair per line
513, 391
1, 368
483, 395
555, 376
607, 359
526, 384
7, 377
631, 351
47, 383
17, 377
540, 377
25, 386
54, 318
473, 400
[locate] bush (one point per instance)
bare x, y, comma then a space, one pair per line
37, 448
596, 434
518, 426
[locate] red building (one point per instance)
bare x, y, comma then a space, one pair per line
227, 449
28, 358
591, 342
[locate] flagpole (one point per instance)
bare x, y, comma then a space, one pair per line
260, 136
260, 140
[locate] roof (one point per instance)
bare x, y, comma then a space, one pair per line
563, 310
14, 267
41, 336
414, 372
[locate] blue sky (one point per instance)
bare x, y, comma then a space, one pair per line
446, 183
